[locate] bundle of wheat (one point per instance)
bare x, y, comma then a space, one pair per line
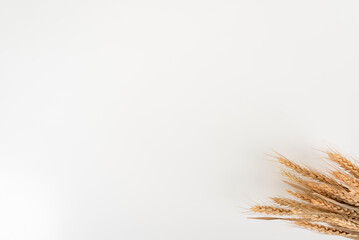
327, 203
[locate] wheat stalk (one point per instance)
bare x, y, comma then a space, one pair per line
326, 203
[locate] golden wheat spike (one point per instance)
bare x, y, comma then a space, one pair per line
324, 229
298, 206
320, 188
344, 163
347, 179
306, 172
341, 221
329, 206
271, 210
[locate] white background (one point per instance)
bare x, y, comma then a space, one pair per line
151, 119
